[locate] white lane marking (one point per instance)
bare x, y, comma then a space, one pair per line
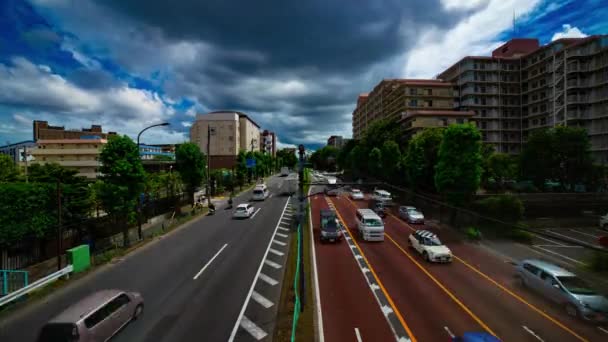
604, 232
209, 262
566, 236
552, 257
559, 255
583, 233
532, 333
358, 334
374, 286
268, 280
449, 332
252, 329
241, 319
270, 196
552, 241
272, 264
386, 310
284, 229
556, 246
263, 301
282, 235
280, 243
288, 214
602, 329
256, 212
318, 312
274, 251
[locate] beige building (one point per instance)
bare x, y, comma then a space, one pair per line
416, 120
231, 132
78, 154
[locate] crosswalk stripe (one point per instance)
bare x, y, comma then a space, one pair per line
252, 328
280, 243
272, 264
263, 301
274, 251
268, 279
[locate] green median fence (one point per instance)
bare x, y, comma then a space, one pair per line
79, 257
296, 279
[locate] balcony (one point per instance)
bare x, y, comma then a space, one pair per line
66, 151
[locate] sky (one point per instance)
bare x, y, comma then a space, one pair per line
296, 67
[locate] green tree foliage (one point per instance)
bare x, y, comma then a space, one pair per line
358, 160
123, 179
325, 158
537, 158
501, 167
380, 131
52, 173
28, 211
458, 170
8, 170
342, 159
191, 165
162, 157
375, 162
241, 168
391, 156
289, 158
506, 208
421, 158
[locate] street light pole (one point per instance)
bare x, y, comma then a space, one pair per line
208, 191
139, 232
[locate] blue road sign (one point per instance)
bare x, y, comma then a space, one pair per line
250, 163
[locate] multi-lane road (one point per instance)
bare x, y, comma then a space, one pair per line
380, 291
216, 279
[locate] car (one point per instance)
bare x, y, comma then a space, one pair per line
331, 191
356, 194
382, 195
604, 222
564, 288
243, 210
379, 207
330, 226
260, 192
97, 317
430, 247
410, 214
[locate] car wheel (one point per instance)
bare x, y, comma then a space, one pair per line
139, 310
425, 255
571, 310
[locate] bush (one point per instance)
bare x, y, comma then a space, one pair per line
473, 234
506, 208
599, 262
521, 236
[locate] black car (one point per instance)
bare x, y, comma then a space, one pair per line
329, 191
330, 227
378, 207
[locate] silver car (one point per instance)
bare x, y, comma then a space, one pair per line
565, 289
411, 214
97, 317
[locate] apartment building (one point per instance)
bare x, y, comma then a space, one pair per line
414, 121
524, 86
392, 98
77, 154
230, 132
19, 151
42, 130
268, 142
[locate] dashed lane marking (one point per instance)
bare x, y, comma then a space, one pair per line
263, 301
552, 241
284, 229
256, 212
252, 328
280, 243
272, 264
584, 233
566, 236
274, 251
209, 263
268, 280
603, 330
358, 334
559, 255
450, 333
528, 330
282, 235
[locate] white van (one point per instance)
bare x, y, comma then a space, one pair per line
260, 192
382, 195
370, 225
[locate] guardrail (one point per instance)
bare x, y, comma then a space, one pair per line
36, 285
11, 280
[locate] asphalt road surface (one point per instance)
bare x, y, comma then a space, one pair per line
183, 302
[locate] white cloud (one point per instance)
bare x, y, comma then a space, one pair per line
284, 145
461, 4
568, 32
186, 123
437, 50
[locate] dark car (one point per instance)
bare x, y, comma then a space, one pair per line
330, 191
379, 207
330, 226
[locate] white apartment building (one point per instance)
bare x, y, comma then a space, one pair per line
78, 154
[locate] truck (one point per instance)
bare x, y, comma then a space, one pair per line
284, 171
289, 186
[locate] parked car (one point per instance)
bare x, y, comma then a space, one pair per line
429, 245
379, 207
604, 222
330, 226
410, 214
243, 210
97, 317
356, 194
564, 288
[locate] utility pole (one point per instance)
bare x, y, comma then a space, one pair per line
59, 228
253, 141
301, 218
208, 193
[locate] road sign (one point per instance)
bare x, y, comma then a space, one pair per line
250, 162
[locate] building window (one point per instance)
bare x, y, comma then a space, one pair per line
444, 122
484, 113
484, 125
429, 103
429, 91
414, 103
460, 120
412, 91
483, 101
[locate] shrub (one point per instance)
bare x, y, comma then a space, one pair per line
506, 208
521, 236
599, 261
473, 234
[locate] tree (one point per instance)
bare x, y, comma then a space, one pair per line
421, 158
8, 170
289, 158
342, 159
375, 162
501, 167
537, 158
573, 155
241, 168
458, 170
162, 157
325, 158
391, 155
357, 159
53, 172
380, 131
123, 178
190, 163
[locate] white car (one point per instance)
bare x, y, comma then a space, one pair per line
604, 222
356, 194
244, 210
429, 245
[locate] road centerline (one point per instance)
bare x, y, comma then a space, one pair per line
256, 212
209, 263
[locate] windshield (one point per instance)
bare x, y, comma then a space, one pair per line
413, 212
240, 209
258, 192
431, 241
59, 332
329, 224
373, 223
576, 285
